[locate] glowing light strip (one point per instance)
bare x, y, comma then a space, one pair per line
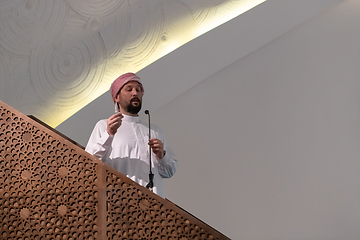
214, 17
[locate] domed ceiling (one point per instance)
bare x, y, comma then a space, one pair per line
57, 56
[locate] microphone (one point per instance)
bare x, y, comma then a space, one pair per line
150, 185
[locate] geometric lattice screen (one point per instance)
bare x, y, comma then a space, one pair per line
50, 188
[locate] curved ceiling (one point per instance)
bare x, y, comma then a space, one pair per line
58, 56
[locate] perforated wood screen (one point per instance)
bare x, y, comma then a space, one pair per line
50, 188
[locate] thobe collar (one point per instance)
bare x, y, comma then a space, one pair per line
128, 118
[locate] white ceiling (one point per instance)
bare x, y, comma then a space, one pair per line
57, 56
175, 73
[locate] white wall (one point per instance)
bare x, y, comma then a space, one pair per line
268, 144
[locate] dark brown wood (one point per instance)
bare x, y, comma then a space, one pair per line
55, 131
50, 188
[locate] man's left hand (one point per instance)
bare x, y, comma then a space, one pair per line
158, 147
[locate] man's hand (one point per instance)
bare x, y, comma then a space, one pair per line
158, 147
113, 123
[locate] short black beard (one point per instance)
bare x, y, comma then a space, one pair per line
133, 109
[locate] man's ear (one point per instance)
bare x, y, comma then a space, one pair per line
117, 97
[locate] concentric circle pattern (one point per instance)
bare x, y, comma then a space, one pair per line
26, 23
115, 30
90, 8
52, 189
63, 54
68, 71
142, 39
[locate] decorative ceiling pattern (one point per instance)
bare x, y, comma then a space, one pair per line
57, 56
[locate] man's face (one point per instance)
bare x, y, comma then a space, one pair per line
130, 98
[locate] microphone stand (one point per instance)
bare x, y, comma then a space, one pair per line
150, 185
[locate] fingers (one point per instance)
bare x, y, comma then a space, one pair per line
113, 123
157, 146
115, 119
116, 116
154, 142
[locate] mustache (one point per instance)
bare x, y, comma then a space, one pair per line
135, 99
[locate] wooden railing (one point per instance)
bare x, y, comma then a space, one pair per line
50, 188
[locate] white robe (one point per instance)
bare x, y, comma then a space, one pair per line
128, 152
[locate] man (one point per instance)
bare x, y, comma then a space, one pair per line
122, 141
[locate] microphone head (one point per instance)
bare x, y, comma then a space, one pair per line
146, 111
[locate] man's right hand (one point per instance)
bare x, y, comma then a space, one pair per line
113, 123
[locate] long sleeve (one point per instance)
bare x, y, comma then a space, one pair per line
128, 152
168, 164
100, 141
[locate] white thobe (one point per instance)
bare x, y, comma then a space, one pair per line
128, 151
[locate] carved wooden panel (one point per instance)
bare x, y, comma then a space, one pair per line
48, 189
52, 189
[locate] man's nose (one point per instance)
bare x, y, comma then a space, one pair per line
134, 92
